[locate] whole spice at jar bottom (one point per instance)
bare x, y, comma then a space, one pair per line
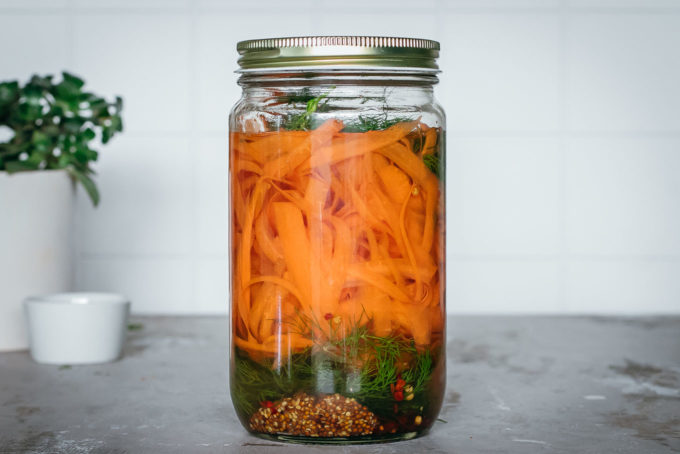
327, 416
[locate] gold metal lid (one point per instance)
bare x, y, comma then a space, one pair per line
338, 51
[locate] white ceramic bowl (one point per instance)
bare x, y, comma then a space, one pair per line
76, 328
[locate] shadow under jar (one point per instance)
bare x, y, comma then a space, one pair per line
336, 161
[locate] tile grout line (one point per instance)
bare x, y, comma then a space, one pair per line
76, 254
439, 21
562, 8
439, 8
571, 133
584, 10
478, 257
160, 256
569, 258
563, 266
482, 134
193, 126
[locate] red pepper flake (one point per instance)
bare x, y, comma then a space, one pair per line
397, 389
328, 316
269, 404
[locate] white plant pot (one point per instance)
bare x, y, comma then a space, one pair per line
36, 223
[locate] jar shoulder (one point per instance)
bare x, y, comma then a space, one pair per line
358, 109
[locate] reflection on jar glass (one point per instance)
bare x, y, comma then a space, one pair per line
337, 239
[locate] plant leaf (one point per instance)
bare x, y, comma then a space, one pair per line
73, 80
19, 166
88, 184
9, 92
88, 135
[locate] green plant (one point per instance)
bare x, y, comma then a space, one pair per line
53, 127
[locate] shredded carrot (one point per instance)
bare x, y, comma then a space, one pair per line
331, 222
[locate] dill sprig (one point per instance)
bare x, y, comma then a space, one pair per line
354, 363
303, 121
255, 382
302, 96
433, 162
365, 123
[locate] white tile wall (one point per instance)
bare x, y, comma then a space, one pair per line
419, 24
211, 176
145, 57
133, 4
504, 286
622, 72
33, 4
623, 286
215, 57
506, 194
623, 196
564, 141
502, 71
146, 186
499, 4
212, 286
215, 63
385, 6
49, 44
155, 284
624, 3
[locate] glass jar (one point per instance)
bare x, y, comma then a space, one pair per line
336, 158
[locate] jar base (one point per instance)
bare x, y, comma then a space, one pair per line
363, 440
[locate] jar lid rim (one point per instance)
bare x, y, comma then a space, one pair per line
346, 50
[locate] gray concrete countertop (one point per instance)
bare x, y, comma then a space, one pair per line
515, 385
